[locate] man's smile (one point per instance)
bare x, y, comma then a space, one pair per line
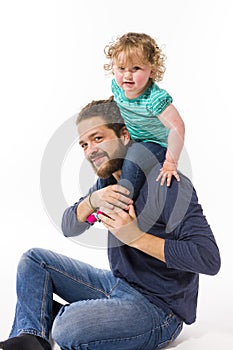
98, 159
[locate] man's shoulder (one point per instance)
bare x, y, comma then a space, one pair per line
153, 174
177, 191
166, 204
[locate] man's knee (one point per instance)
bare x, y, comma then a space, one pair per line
29, 258
71, 328
61, 330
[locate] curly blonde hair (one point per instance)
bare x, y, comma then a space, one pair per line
140, 46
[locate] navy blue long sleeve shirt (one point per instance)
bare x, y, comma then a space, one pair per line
172, 213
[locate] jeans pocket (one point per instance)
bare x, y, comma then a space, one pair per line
170, 331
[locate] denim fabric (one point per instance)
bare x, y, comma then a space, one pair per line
139, 160
102, 311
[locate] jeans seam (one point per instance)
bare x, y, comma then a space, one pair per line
102, 341
45, 293
30, 331
76, 279
175, 333
113, 288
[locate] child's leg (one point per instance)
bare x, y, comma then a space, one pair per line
140, 158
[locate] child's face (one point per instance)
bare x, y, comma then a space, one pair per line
133, 77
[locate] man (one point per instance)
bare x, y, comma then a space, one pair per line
157, 247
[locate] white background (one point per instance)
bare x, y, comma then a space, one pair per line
51, 64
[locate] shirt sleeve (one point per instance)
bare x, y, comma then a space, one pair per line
117, 91
70, 225
193, 246
160, 100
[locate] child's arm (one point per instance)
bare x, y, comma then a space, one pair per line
171, 118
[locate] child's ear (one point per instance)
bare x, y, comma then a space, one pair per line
152, 74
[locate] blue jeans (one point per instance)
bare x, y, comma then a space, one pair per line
102, 312
139, 160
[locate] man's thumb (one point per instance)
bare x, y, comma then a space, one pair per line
132, 211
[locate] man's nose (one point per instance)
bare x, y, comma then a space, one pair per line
92, 150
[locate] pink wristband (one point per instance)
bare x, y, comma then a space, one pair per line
91, 219
94, 217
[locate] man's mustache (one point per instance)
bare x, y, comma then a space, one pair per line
97, 155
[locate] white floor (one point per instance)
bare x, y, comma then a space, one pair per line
200, 338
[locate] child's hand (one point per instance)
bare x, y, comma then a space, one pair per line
166, 172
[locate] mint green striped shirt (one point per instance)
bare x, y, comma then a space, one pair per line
141, 114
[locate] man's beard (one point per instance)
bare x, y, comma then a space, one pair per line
109, 168
113, 164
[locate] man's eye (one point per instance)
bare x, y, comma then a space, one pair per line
84, 145
98, 138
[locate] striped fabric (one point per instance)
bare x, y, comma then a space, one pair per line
141, 114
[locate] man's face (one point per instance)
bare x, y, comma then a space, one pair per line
102, 148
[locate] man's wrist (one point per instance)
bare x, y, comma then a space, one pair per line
135, 243
91, 204
151, 245
85, 208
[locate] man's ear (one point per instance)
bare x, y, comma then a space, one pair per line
125, 136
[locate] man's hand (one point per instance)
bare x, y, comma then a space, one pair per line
110, 197
123, 225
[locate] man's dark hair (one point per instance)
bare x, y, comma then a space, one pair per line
107, 110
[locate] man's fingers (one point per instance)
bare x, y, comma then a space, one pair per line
121, 189
132, 211
121, 202
106, 220
111, 212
